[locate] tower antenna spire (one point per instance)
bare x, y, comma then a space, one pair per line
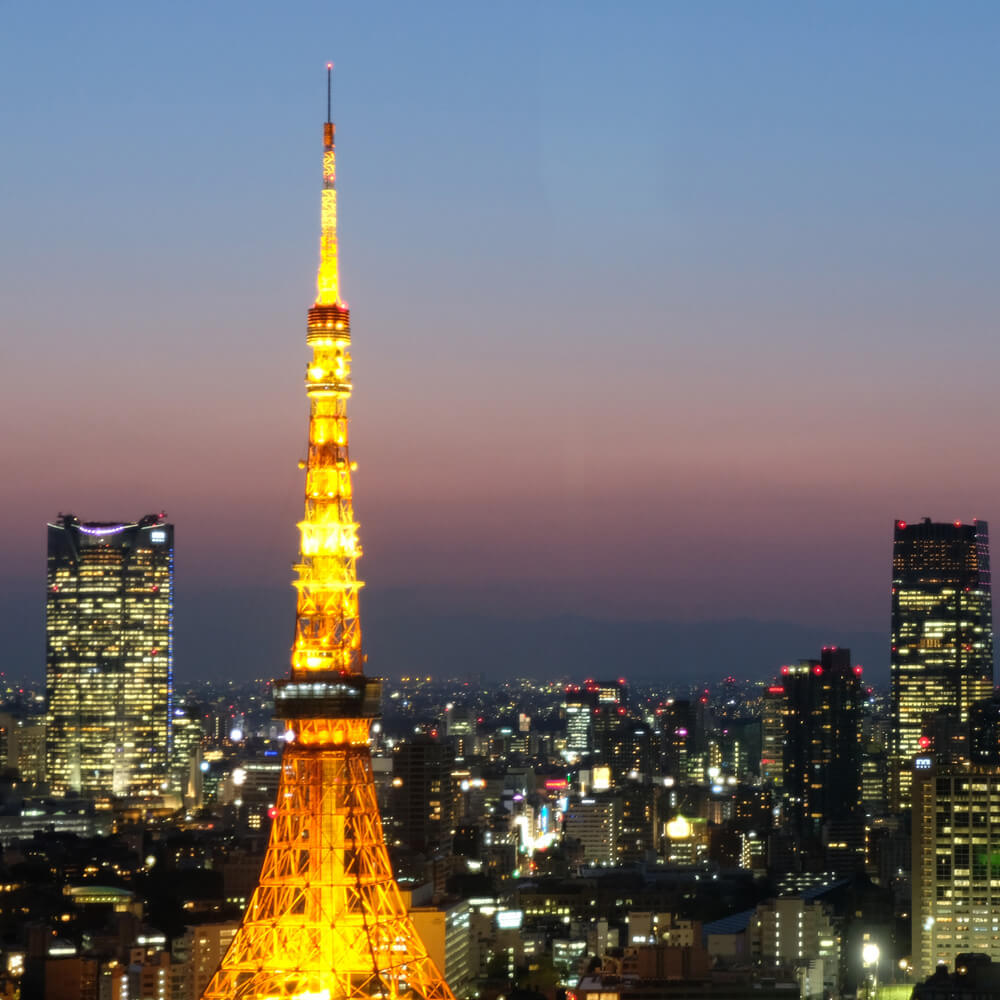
328, 278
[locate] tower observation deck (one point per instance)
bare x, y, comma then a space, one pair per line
327, 920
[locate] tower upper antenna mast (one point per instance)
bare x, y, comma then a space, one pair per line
329, 76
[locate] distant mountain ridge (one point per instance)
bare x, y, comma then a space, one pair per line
247, 633
643, 651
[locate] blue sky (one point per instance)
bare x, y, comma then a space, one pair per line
661, 310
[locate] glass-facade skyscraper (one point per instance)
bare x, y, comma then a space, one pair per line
109, 655
942, 641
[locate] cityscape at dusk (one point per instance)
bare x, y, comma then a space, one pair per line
668, 312
603, 609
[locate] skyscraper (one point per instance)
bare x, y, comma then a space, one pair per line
772, 724
941, 659
422, 800
109, 655
327, 919
821, 752
956, 862
579, 706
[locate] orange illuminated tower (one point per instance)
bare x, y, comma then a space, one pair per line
327, 920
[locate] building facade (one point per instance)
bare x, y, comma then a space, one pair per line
422, 803
578, 707
794, 933
956, 862
984, 731
821, 739
446, 932
109, 656
941, 659
595, 823
772, 724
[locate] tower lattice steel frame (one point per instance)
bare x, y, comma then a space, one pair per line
327, 920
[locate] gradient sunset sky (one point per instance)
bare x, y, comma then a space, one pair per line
661, 311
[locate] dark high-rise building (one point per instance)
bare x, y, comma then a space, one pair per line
631, 753
636, 815
740, 742
822, 739
422, 802
109, 655
593, 711
984, 731
942, 640
679, 733
611, 710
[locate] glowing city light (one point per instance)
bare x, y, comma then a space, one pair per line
679, 829
111, 529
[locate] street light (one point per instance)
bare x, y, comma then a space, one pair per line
870, 956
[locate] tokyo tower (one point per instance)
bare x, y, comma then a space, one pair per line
327, 920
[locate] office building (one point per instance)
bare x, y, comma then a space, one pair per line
422, 803
109, 655
681, 735
941, 659
22, 746
446, 932
201, 948
630, 752
611, 710
740, 742
595, 823
821, 752
984, 731
185, 774
796, 933
578, 707
956, 847
593, 712
772, 724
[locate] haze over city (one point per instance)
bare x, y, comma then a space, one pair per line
661, 316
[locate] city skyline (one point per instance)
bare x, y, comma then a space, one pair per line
726, 356
614, 433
